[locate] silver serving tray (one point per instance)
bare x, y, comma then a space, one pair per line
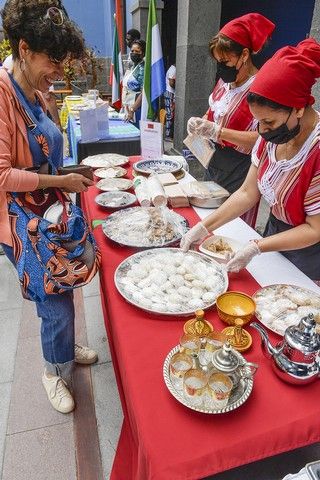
125, 266
279, 292
238, 396
111, 229
115, 200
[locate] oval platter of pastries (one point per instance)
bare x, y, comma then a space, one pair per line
170, 282
145, 227
280, 306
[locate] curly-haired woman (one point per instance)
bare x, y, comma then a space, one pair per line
42, 38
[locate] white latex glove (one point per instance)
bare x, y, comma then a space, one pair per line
241, 259
196, 233
193, 122
208, 129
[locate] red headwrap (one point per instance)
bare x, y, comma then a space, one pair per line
288, 76
251, 30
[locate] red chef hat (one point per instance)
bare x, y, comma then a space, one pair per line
288, 76
251, 30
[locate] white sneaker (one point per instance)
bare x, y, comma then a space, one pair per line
58, 393
84, 355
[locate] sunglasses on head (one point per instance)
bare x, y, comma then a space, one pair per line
55, 15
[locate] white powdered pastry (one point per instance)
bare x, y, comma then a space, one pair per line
169, 281
281, 306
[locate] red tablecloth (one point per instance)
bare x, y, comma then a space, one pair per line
160, 438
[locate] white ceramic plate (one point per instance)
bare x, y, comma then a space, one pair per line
157, 166
114, 184
111, 172
105, 160
279, 306
219, 240
73, 97
54, 213
146, 279
115, 199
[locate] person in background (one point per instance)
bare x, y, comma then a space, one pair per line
228, 122
169, 98
285, 166
42, 38
131, 36
133, 83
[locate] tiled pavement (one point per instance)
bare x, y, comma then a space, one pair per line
36, 442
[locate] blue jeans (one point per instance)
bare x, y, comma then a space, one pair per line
57, 329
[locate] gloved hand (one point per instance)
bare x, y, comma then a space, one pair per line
208, 129
240, 259
196, 233
192, 124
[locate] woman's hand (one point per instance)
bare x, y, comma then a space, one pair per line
193, 122
241, 259
129, 114
195, 234
75, 183
207, 129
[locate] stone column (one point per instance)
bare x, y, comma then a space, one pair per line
315, 33
198, 22
139, 12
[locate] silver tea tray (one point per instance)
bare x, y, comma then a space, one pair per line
238, 396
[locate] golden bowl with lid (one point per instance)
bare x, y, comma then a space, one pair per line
198, 325
232, 305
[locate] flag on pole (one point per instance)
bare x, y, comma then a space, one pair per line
116, 70
154, 83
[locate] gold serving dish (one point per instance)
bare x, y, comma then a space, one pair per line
198, 325
232, 305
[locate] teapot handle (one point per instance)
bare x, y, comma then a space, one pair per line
252, 367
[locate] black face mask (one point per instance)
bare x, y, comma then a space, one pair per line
227, 74
136, 57
281, 134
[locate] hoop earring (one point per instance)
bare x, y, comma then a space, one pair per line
22, 64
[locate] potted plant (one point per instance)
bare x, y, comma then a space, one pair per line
69, 73
5, 50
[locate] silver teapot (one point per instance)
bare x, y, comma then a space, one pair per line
297, 358
232, 363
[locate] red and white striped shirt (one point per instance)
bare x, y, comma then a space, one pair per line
229, 108
291, 187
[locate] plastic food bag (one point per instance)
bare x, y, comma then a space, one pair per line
204, 190
145, 227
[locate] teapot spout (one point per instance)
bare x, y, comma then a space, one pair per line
267, 348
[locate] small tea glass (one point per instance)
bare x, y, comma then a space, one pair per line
219, 389
190, 344
180, 363
212, 342
194, 386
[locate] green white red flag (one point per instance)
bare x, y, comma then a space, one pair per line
116, 70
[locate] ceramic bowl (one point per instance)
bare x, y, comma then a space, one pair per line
157, 166
232, 305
